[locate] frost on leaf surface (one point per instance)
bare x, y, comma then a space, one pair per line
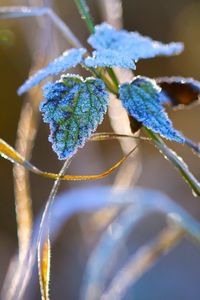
73, 107
141, 99
67, 60
130, 45
179, 91
109, 58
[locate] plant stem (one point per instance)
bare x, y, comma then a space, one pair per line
85, 14
176, 161
113, 76
111, 87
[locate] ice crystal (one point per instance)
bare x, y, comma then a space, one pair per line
141, 99
109, 58
74, 108
67, 60
124, 47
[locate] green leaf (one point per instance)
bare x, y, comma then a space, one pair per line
73, 107
142, 100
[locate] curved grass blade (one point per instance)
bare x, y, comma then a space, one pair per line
177, 162
102, 136
101, 260
44, 267
9, 153
10, 12
144, 202
140, 262
88, 199
43, 241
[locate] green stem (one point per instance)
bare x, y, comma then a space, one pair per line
113, 76
177, 162
85, 14
111, 87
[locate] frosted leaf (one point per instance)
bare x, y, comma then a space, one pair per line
179, 91
109, 58
74, 108
130, 45
67, 60
141, 99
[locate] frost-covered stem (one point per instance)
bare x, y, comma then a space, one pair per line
85, 14
12, 12
177, 162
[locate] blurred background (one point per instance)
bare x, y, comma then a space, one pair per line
22, 43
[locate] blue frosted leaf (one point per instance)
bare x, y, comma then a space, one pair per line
67, 60
74, 108
141, 99
109, 58
129, 45
179, 91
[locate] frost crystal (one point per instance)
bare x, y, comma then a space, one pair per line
109, 58
124, 47
74, 108
67, 60
141, 99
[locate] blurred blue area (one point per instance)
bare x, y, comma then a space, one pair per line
174, 277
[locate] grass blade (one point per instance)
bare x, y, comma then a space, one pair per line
12, 12
141, 262
177, 162
9, 153
43, 244
143, 202
44, 266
